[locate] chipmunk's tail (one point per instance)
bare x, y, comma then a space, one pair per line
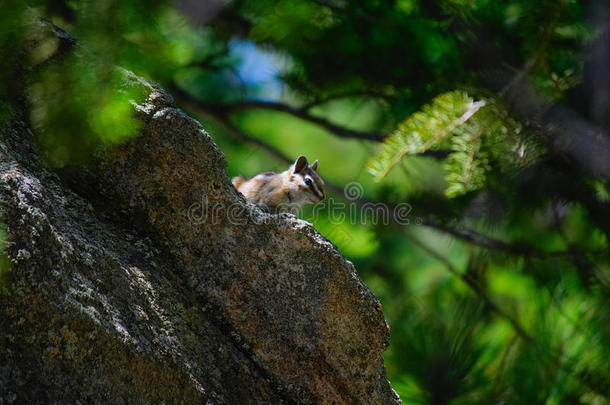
238, 181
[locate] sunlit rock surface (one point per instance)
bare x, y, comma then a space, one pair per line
148, 278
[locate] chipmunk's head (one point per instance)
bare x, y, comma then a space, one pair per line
307, 183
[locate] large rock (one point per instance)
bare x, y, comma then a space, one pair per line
148, 278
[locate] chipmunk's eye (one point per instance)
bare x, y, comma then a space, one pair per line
308, 181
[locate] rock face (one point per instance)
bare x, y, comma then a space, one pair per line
148, 278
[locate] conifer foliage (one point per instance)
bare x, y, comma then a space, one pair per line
469, 113
478, 134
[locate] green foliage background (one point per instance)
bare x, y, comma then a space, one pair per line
496, 291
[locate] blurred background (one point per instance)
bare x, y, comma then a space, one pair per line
478, 130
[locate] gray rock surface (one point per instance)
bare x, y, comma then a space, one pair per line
148, 278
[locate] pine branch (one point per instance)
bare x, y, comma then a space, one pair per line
304, 115
356, 93
423, 130
566, 131
473, 285
553, 357
535, 59
477, 239
476, 131
224, 109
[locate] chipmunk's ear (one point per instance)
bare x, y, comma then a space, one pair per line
314, 166
300, 164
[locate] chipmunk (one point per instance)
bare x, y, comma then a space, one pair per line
285, 191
